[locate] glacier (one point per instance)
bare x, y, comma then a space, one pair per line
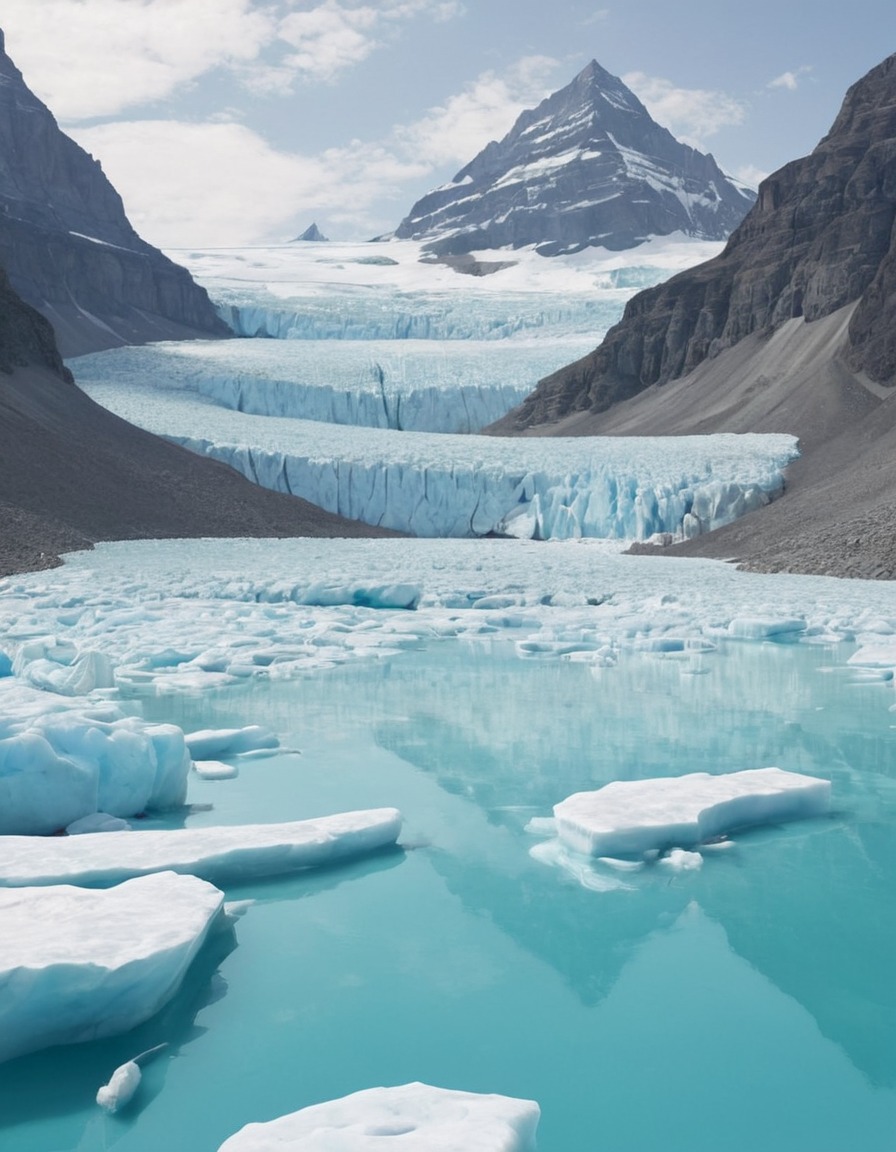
227, 854
434, 485
415, 1117
408, 385
78, 965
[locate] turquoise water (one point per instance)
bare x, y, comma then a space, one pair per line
749, 1005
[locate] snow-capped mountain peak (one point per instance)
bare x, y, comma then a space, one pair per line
588, 166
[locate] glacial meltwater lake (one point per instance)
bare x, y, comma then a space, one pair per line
750, 1004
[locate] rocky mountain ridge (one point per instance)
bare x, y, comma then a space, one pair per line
588, 166
791, 329
820, 237
68, 247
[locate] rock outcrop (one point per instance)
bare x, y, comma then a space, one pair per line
820, 237
68, 247
588, 166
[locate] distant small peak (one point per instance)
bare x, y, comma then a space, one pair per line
312, 233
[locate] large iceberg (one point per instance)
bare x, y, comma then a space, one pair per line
227, 854
64, 758
437, 485
631, 817
78, 965
410, 1117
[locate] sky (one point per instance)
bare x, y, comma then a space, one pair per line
240, 122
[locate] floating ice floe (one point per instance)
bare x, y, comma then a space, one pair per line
77, 964
176, 616
62, 759
412, 1117
631, 817
215, 770
210, 743
221, 854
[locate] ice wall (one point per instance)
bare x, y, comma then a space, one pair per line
400, 316
415, 385
684, 490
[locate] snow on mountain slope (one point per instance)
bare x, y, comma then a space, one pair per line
588, 166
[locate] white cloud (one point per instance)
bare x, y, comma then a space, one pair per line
750, 175
329, 38
790, 80
334, 35
452, 133
205, 185
691, 114
95, 58
219, 183
115, 54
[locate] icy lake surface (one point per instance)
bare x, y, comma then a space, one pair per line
752, 998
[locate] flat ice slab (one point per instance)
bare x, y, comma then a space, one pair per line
222, 854
629, 817
419, 1117
78, 965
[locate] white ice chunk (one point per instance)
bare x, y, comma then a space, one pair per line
210, 743
123, 1083
215, 770
410, 1117
230, 853
61, 760
630, 817
77, 964
680, 860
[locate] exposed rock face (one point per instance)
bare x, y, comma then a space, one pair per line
71, 473
68, 247
821, 236
588, 166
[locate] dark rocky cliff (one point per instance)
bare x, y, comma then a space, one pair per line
821, 236
71, 473
68, 247
587, 166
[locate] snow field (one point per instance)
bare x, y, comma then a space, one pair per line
78, 965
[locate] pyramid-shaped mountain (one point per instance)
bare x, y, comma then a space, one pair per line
68, 247
587, 167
